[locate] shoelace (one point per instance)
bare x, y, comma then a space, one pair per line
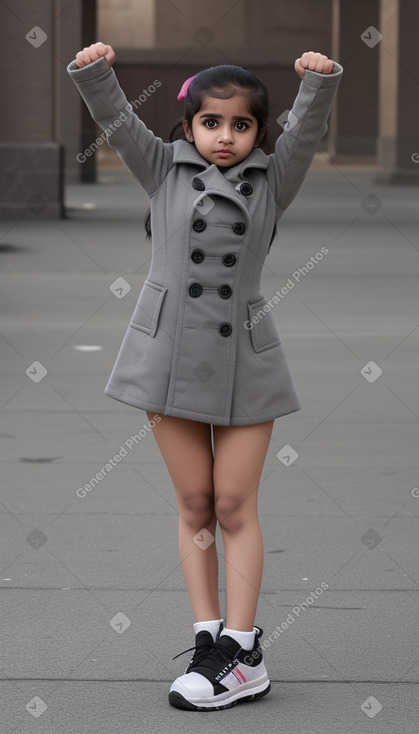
212, 653
200, 651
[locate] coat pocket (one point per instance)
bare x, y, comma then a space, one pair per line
147, 311
263, 332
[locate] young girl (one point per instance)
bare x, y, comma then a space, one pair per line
202, 354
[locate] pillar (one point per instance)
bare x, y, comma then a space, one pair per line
41, 116
398, 144
354, 120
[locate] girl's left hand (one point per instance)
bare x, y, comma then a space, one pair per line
314, 62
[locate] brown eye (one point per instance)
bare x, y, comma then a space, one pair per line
210, 124
241, 126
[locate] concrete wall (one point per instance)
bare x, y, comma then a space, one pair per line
28, 68
281, 29
126, 23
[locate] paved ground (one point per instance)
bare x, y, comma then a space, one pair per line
342, 518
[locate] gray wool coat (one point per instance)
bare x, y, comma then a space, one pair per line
202, 343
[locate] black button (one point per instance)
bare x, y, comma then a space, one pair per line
198, 184
224, 291
195, 290
229, 260
199, 225
197, 255
239, 227
225, 329
246, 189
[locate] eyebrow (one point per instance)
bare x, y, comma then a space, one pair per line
235, 117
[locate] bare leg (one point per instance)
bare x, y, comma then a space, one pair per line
239, 456
187, 452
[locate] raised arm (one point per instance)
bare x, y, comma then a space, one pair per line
146, 156
307, 124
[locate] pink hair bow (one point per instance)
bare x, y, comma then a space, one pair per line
184, 89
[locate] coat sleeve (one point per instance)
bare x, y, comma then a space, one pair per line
307, 124
146, 156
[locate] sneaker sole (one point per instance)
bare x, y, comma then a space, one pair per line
178, 701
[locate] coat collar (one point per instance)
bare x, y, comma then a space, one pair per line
184, 152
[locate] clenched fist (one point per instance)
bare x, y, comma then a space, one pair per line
94, 52
314, 62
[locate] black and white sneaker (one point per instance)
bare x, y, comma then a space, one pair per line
227, 675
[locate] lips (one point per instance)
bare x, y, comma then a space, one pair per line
224, 151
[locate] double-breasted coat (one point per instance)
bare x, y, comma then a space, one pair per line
202, 342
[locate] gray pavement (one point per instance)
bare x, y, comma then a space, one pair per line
93, 600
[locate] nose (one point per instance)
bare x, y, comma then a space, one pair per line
225, 134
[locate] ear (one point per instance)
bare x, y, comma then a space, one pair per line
260, 135
188, 131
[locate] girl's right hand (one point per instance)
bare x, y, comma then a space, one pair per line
94, 52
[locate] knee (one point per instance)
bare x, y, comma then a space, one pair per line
197, 508
229, 511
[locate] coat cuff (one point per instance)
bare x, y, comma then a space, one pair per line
95, 70
315, 79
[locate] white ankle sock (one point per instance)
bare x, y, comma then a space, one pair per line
245, 639
212, 626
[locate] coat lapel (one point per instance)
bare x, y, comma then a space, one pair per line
216, 181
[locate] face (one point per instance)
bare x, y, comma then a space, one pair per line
223, 130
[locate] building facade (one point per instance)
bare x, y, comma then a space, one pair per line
44, 126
